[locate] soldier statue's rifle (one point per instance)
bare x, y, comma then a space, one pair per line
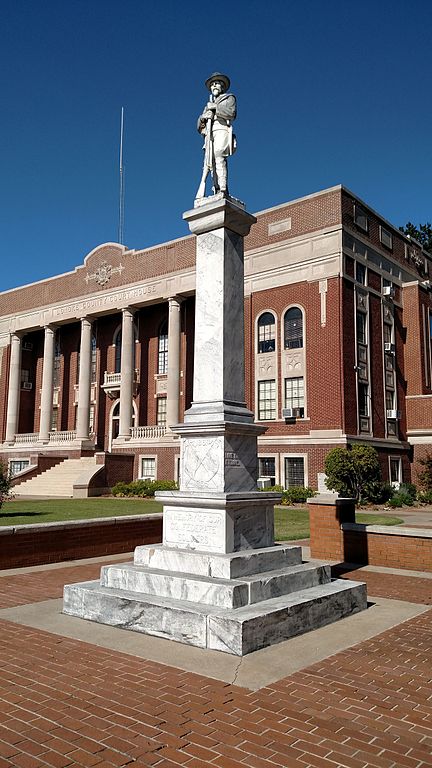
208, 155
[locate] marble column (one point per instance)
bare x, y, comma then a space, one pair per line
127, 365
47, 385
83, 412
173, 380
218, 507
14, 389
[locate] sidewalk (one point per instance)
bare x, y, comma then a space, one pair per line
77, 694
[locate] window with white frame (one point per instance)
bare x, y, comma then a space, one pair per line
294, 471
266, 332
161, 412
57, 362
294, 395
18, 465
267, 468
54, 420
363, 399
93, 366
267, 400
148, 468
163, 348
293, 328
395, 471
361, 327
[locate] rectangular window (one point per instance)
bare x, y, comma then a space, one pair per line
294, 395
387, 333
363, 401
267, 400
266, 336
386, 238
161, 415
361, 327
54, 420
360, 218
267, 468
148, 468
163, 354
395, 471
389, 400
360, 273
92, 419
294, 471
17, 465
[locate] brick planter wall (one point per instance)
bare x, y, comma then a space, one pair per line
325, 517
334, 535
392, 547
26, 545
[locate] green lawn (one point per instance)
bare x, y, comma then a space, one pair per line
19, 512
293, 524
290, 523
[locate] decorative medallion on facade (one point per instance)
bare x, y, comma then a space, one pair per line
104, 273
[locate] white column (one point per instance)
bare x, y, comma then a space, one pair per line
173, 382
47, 385
127, 361
83, 412
14, 389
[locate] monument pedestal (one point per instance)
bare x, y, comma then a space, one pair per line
218, 581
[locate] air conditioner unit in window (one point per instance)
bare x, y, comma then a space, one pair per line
263, 482
288, 413
27, 346
389, 291
392, 414
389, 347
26, 385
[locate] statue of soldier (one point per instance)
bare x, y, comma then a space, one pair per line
215, 123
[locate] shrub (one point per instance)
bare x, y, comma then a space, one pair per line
376, 492
297, 494
353, 472
143, 488
425, 497
425, 476
5, 483
404, 496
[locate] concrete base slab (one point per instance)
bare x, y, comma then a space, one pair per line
253, 671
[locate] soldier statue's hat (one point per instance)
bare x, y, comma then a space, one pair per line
218, 76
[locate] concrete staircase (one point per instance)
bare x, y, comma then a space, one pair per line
56, 482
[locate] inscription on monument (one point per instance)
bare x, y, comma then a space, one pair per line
231, 459
189, 528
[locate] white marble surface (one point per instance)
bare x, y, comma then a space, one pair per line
225, 566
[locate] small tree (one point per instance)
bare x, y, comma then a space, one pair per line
425, 475
5, 483
354, 472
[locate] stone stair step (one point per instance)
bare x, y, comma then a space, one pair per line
225, 593
237, 631
233, 565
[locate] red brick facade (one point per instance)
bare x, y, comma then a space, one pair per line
329, 255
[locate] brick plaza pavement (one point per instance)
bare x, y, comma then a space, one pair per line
69, 703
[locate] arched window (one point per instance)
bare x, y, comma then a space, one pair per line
293, 328
266, 333
163, 348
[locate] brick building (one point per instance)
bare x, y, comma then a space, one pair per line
338, 315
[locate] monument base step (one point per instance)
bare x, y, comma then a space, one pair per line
238, 631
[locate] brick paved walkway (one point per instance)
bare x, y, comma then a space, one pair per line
67, 703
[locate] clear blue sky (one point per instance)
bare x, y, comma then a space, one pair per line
329, 92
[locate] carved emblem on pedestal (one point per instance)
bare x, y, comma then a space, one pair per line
103, 273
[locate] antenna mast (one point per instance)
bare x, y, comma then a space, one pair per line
122, 184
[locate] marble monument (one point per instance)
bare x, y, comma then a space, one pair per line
217, 580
